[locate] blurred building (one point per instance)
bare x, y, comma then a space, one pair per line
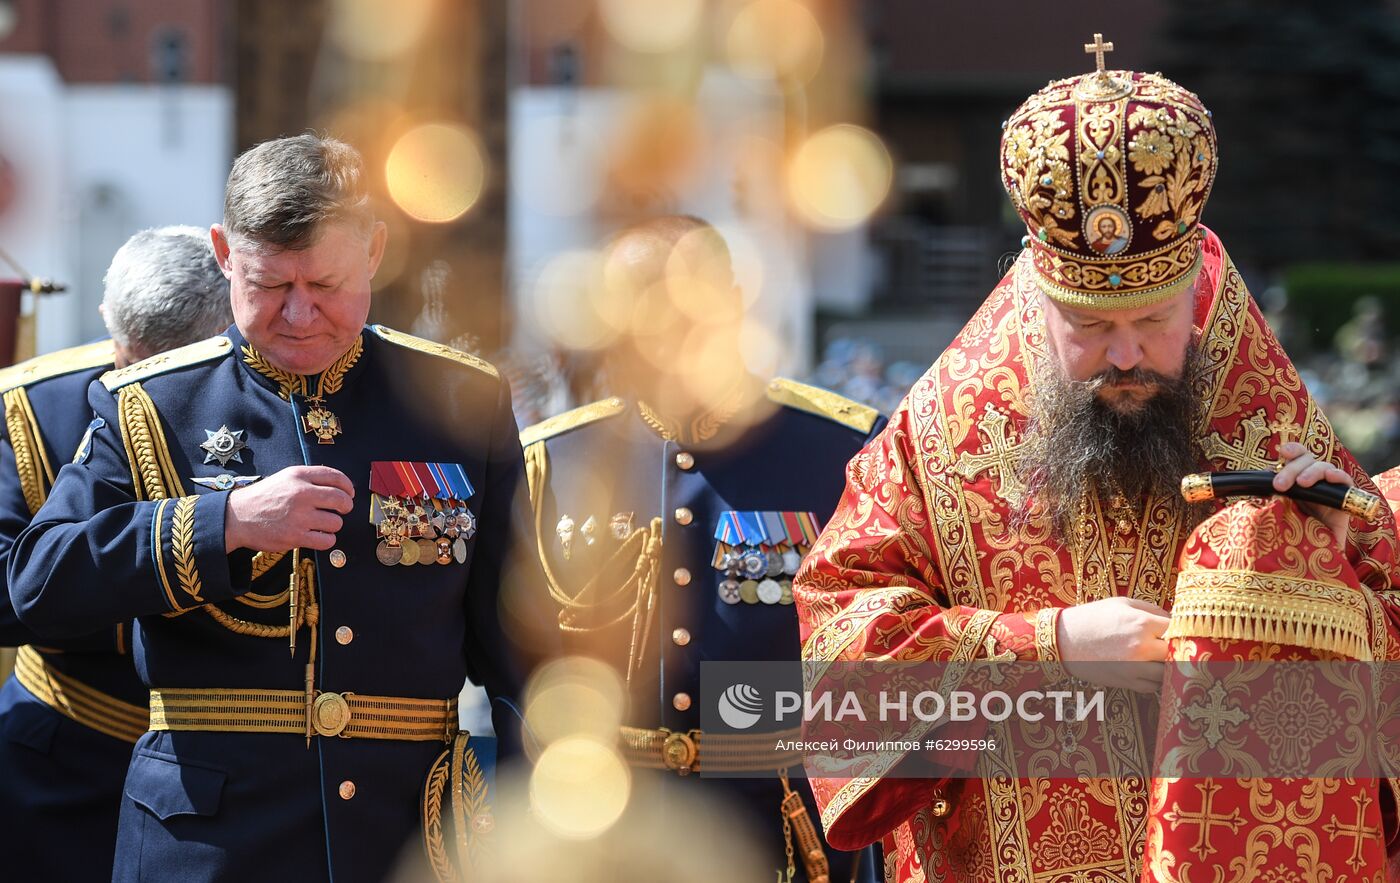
115, 115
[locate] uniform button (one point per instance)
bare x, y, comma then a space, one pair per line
344, 635
681, 701
337, 558
681, 637
685, 460
347, 789
682, 576
684, 516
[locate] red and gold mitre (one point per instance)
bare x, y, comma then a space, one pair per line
1110, 171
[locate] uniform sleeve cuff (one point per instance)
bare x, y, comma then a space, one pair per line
188, 544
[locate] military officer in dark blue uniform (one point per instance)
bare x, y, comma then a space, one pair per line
670, 523
308, 519
73, 708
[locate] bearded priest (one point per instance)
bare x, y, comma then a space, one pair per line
1023, 502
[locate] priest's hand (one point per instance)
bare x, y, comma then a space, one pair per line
1305, 470
1116, 642
300, 507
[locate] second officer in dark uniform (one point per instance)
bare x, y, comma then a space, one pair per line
73, 708
670, 523
308, 519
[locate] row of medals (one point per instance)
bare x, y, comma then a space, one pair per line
418, 536
753, 575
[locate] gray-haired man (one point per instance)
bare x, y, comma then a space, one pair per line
300, 482
73, 709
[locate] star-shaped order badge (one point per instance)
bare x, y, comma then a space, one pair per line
223, 445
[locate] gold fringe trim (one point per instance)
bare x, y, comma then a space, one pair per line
77, 701
1246, 606
31, 459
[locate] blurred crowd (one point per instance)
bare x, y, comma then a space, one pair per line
1356, 381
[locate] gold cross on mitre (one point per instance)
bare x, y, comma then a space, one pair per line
1098, 48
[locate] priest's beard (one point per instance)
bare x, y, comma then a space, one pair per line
1075, 444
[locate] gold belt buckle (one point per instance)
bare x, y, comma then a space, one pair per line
679, 750
330, 714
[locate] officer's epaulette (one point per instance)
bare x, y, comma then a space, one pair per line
581, 416
65, 361
433, 348
823, 403
180, 357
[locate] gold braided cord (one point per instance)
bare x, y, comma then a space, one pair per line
182, 547
128, 420
38, 438
265, 561
638, 591
77, 701
262, 563
28, 447
309, 613
333, 377
153, 473
170, 476
438, 857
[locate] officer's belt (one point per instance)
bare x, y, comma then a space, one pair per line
348, 715
694, 750
77, 701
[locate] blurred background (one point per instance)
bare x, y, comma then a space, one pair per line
847, 150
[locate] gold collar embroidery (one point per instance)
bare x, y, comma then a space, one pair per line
328, 382
702, 427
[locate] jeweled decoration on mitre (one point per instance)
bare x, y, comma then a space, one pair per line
1110, 171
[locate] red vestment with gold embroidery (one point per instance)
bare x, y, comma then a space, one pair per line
923, 561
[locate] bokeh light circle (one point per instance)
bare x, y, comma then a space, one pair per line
839, 177
377, 30
579, 787
651, 25
775, 40
435, 172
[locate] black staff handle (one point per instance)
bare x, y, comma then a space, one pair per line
1202, 486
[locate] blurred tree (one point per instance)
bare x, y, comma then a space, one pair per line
1306, 101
